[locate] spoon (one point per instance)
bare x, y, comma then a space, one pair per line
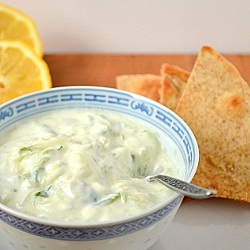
183, 187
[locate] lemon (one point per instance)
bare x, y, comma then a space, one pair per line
16, 25
21, 70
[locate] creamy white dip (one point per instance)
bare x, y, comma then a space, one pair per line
82, 165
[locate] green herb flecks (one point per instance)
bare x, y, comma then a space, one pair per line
111, 198
43, 193
26, 150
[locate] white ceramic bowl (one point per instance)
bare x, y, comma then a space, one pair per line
21, 231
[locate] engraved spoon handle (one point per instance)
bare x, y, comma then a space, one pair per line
183, 187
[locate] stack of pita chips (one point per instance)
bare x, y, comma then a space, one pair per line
214, 100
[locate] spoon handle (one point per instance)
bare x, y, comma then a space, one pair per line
183, 187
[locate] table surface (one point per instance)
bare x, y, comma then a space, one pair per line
101, 70
205, 224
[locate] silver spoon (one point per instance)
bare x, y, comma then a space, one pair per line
183, 187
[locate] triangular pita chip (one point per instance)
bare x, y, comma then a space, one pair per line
173, 82
216, 106
147, 85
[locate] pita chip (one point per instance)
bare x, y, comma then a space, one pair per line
216, 106
173, 82
147, 85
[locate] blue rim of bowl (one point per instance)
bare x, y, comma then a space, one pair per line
121, 102
90, 233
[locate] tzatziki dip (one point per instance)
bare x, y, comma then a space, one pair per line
78, 165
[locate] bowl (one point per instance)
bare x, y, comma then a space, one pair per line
139, 231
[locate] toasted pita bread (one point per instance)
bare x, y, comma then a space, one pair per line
216, 106
173, 82
147, 85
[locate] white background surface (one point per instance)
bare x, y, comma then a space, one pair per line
213, 224
140, 26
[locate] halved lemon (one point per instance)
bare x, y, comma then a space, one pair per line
21, 70
16, 25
